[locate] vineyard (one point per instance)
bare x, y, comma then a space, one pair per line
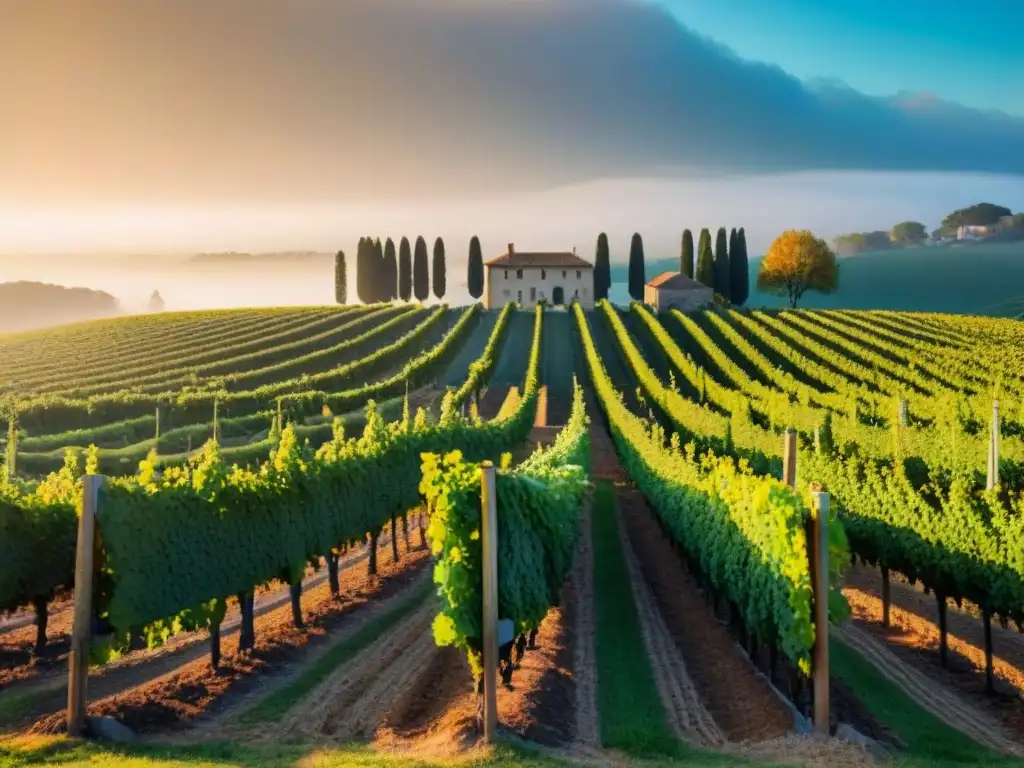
284, 515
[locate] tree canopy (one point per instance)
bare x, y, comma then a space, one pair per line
686, 254
909, 233
475, 269
404, 270
340, 278
705, 260
420, 270
739, 270
722, 264
798, 262
390, 271
439, 278
637, 271
979, 215
602, 268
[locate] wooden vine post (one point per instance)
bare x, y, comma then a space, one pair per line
78, 662
817, 551
789, 458
819, 583
489, 544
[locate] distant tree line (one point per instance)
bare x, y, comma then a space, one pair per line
1001, 222
723, 269
386, 273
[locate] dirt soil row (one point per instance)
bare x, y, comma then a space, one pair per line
723, 684
178, 688
912, 640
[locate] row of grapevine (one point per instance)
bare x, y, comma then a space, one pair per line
89, 348
945, 445
960, 543
43, 414
240, 528
744, 532
538, 506
136, 366
924, 394
259, 412
343, 489
269, 364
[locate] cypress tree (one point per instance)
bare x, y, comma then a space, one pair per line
380, 288
637, 273
733, 256
602, 268
391, 269
705, 260
340, 278
404, 270
686, 257
361, 271
722, 264
475, 269
438, 277
739, 271
420, 270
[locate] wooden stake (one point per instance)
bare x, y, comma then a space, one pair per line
78, 662
819, 580
489, 543
789, 458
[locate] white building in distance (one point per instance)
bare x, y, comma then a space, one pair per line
557, 278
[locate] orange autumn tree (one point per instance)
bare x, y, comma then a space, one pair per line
798, 262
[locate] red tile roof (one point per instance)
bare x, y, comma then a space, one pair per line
676, 281
536, 259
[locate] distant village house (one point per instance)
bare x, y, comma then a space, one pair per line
674, 289
973, 232
529, 278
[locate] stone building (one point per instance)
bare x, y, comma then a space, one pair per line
557, 278
674, 289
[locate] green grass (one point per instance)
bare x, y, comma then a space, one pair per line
281, 700
66, 753
929, 741
632, 716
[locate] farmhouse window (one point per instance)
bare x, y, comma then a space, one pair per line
519, 296
533, 293
563, 274
579, 274
543, 274
506, 274
519, 274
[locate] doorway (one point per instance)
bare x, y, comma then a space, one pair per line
558, 296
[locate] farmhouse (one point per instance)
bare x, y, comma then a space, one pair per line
674, 289
557, 278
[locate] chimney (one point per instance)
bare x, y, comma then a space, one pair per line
511, 249
574, 250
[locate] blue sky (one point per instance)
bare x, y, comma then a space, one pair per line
969, 52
